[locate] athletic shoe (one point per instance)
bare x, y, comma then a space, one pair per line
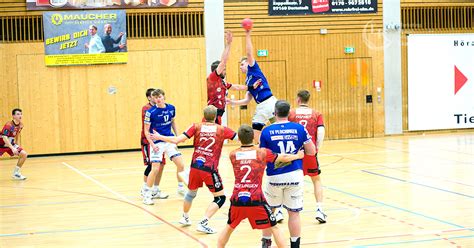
148, 201
18, 176
205, 229
279, 216
185, 221
159, 195
320, 216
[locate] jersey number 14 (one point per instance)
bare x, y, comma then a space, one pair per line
287, 147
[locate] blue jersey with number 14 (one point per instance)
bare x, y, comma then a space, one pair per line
160, 119
286, 138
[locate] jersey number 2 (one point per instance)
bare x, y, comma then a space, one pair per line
249, 169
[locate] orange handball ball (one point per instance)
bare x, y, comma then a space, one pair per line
247, 23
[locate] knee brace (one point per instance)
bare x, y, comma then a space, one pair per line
147, 170
219, 200
190, 195
257, 126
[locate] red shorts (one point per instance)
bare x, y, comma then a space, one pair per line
146, 156
212, 180
9, 151
311, 165
260, 217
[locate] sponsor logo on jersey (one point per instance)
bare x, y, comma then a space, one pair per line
209, 128
246, 155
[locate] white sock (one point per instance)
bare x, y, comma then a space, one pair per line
155, 188
16, 170
319, 206
267, 237
180, 185
294, 239
186, 215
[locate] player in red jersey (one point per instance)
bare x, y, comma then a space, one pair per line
313, 121
216, 85
146, 156
9, 142
248, 201
208, 141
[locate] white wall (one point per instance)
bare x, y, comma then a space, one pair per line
434, 102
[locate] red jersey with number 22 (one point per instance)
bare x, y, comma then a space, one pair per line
208, 141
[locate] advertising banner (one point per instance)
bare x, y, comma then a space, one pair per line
101, 4
440, 81
311, 7
85, 37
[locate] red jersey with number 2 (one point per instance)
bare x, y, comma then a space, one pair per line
249, 164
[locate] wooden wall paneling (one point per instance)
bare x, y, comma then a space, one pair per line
350, 81
69, 109
306, 60
9, 96
39, 100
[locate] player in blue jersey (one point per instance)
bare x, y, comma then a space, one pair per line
160, 118
285, 180
257, 88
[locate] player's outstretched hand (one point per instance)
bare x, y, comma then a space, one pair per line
228, 37
300, 154
155, 135
155, 147
15, 151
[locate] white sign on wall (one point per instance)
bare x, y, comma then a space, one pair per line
440, 81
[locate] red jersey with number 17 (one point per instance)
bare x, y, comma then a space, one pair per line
309, 118
249, 164
208, 141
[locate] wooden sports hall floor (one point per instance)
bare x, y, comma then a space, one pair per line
399, 191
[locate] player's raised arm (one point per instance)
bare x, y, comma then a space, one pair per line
225, 54
249, 48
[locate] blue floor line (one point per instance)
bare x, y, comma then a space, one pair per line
394, 207
412, 241
419, 184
